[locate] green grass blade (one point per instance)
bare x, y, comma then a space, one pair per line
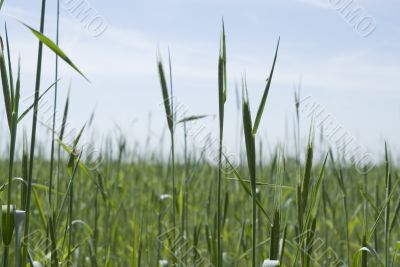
52, 46
265, 95
26, 112
192, 118
65, 117
307, 175
166, 99
223, 57
249, 140
247, 189
6, 89
11, 80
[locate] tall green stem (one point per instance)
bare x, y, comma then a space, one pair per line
54, 260
33, 136
221, 103
173, 179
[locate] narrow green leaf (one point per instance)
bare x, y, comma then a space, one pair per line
26, 112
221, 93
246, 188
6, 88
65, 116
265, 95
11, 80
52, 46
307, 175
381, 213
395, 216
250, 146
40, 208
164, 89
223, 58
224, 55
276, 186
192, 118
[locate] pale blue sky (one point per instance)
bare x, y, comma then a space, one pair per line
357, 79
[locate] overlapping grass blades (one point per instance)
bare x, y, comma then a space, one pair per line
125, 193
169, 112
11, 95
250, 131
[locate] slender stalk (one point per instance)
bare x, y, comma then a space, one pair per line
251, 162
54, 260
346, 216
221, 102
173, 179
54, 112
172, 141
364, 257
33, 136
5, 256
185, 183
254, 232
70, 214
169, 112
387, 208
